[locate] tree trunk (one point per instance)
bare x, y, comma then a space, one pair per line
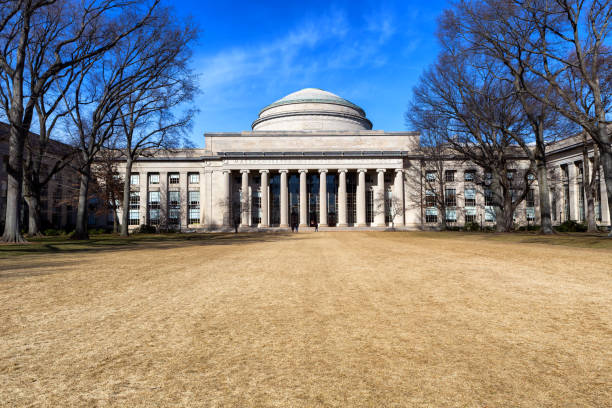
125, 215
80, 231
12, 228
508, 212
498, 201
116, 224
33, 215
544, 196
31, 194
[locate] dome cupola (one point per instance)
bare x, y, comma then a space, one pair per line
311, 109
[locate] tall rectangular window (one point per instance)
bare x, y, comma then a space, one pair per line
449, 175
194, 178
470, 214
431, 215
469, 175
154, 207
553, 204
135, 179
430, 175
134, 216
256, 207
451, 215
490, 214
154, 178
489, 208
430, 198
174, 178
174, 207
389, 210
470, 197
194, 207
450, 197
488, 195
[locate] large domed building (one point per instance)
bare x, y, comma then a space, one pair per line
312, 158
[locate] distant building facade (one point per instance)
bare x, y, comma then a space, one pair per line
313, 158
58, 200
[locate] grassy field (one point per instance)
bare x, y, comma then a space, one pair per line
371, 319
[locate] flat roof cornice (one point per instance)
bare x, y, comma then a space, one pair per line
309, 133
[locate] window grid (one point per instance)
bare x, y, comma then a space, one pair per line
469, 175
154, 207
174, 178
450, 197
134, 208
174, 207
194, 207
194, 178
449, 175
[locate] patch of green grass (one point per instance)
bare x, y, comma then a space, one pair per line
102, 242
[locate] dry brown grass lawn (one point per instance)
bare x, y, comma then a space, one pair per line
327, 319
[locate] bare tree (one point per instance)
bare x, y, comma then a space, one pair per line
93, 103
108, 185
147, 119
475, 114
564, 44
479, 27
44, 157
59, 35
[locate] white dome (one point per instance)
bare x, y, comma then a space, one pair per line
312, 109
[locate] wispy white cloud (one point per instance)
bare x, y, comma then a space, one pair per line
310, 48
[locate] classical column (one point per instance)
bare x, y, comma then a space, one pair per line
284, 199
379, 199
342, 220
573, 191
265, 210
244, 199
361, 198
303, 199
398, 199
323, 197
227, 199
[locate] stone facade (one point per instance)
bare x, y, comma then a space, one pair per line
313, 144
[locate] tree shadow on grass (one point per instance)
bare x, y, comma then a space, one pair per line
102, 243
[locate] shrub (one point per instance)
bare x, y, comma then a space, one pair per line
50, 232
529, 228
472, 226
571, 226
145, 229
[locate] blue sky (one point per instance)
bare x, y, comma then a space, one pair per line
251, 54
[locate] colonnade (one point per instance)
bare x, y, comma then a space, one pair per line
379, 218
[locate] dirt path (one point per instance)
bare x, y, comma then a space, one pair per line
326, 319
